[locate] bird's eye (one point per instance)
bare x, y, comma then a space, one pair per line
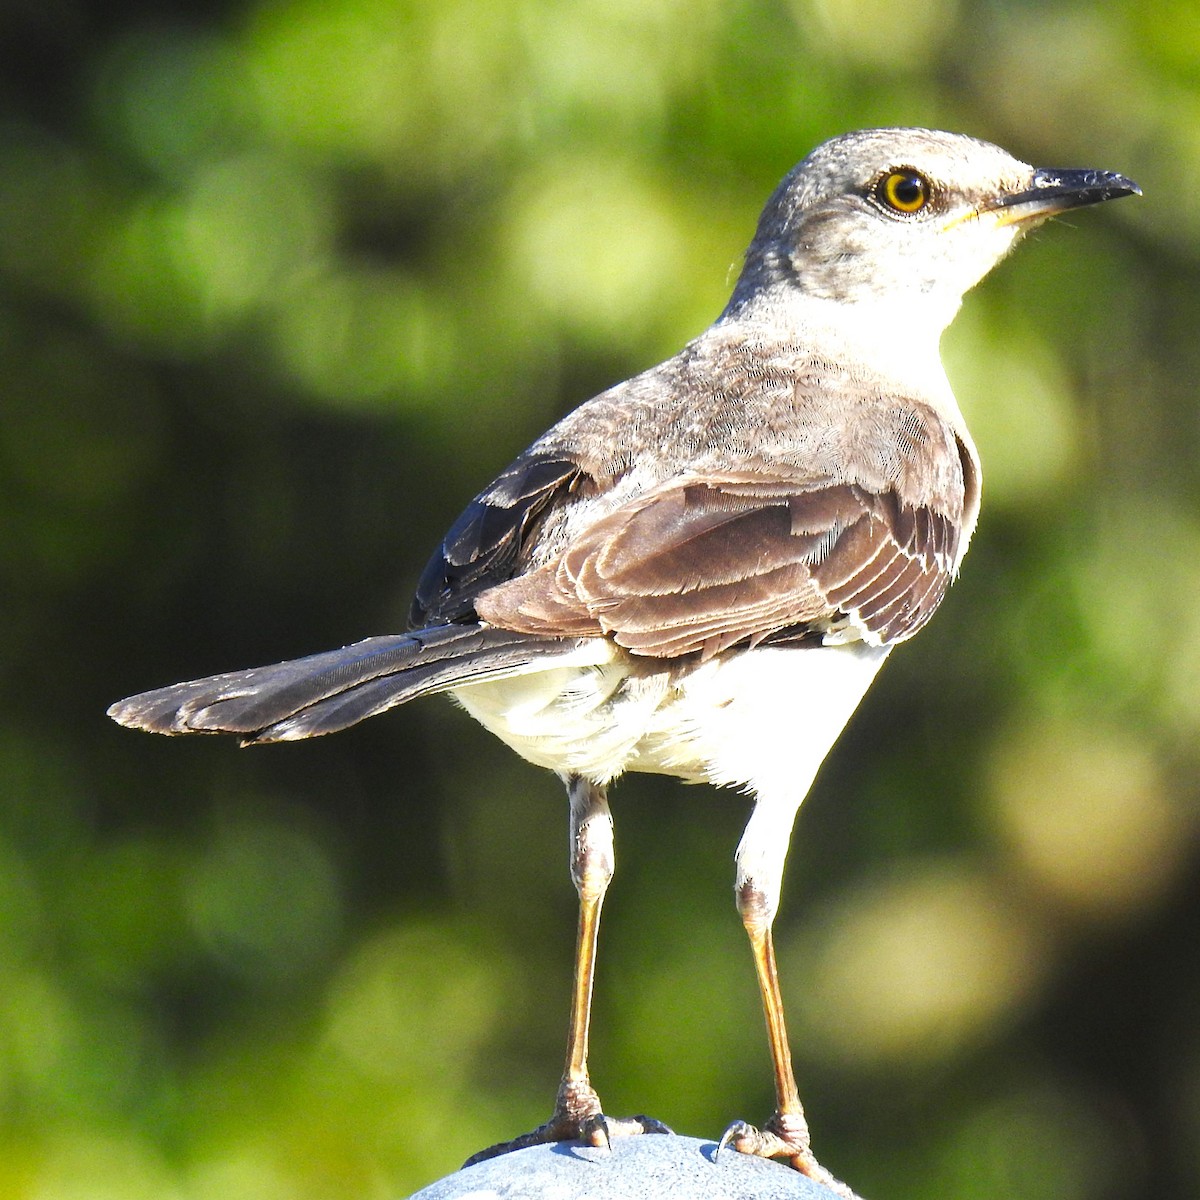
904, 191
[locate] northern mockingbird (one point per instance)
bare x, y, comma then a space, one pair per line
699, 571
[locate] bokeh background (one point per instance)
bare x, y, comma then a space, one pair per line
282, 284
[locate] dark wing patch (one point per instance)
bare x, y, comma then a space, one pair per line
701, 565
483, 546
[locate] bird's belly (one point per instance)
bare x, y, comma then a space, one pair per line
765, 718
762, 717
576, 720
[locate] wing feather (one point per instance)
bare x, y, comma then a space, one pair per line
699, 565
484, 545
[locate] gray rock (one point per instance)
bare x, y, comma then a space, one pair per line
657, 1167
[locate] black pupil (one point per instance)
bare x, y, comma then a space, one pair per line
909, 190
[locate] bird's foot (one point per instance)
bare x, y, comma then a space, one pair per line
785, 1135
578, 1117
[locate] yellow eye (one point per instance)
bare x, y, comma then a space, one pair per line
904, 191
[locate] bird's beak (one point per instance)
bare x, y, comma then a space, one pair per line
1054, 191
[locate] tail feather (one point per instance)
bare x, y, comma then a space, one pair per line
305, 697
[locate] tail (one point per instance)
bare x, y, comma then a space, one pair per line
305, 697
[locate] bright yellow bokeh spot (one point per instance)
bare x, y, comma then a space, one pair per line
597, 244
1084, 812
916, 966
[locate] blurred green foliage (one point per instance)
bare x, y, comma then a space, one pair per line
282, 283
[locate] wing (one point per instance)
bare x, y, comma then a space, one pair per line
484, 545
701, 564
792, 500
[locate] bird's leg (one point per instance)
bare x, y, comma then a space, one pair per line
577, 1112
760, 873
592, 864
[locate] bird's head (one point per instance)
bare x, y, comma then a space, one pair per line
909, 219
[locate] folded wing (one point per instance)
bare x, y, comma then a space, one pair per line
700, 564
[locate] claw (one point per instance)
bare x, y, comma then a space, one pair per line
738, 1130
783, 1138
650, 1125
593, 1129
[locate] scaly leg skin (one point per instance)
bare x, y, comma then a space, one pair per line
577, 1113
785, 1135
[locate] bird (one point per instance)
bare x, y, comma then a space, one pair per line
700, 571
